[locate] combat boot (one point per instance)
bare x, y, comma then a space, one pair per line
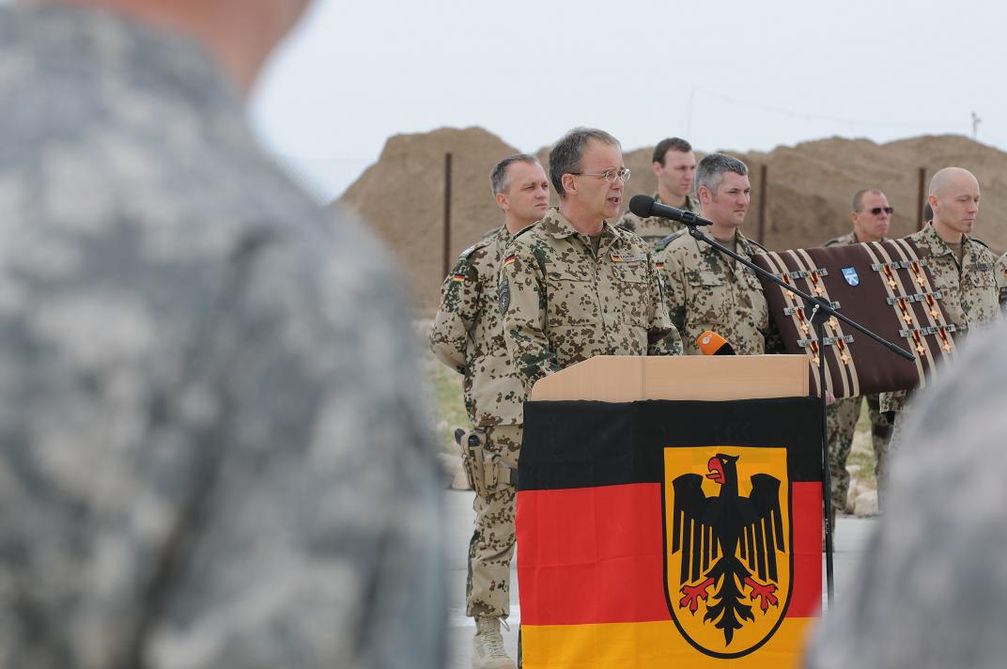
487, 646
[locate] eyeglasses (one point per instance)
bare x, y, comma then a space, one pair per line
610, 176
877, 210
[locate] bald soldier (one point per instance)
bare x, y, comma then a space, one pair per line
706, 289
674, 165
963, 267
467, 336
870, 218
574, 286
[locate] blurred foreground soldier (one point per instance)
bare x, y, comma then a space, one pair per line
467, 335
575, 286
211, 452
674, 165
931, 588
963, 268
871, 218
711, 291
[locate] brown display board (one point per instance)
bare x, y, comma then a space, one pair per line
886, 287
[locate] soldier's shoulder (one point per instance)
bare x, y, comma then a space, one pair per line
758, 245
984, 247
488, 240
987, 259
674, 241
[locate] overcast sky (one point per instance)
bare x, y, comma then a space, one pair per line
726, 75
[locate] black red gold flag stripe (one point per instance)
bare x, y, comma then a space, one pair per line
626, 557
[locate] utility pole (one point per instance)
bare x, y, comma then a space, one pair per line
975, 125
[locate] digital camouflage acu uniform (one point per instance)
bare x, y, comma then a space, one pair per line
709, 291
211, 449
841, 421
562, 303
654, 229
931, 589
970, 295
467, 335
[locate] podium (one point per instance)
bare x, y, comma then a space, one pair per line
669, 513
626, 378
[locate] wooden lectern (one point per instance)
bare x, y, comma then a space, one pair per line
627, 557
625, 378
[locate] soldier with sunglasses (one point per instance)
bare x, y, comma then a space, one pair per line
871, 217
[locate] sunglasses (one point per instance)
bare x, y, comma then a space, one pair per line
877, 210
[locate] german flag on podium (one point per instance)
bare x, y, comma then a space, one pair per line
673, 534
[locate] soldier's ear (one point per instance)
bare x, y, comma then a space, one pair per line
656, 167
703, 193
569, 183
502, 201
932, 199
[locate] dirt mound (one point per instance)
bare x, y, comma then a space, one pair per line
402, 198
808, 191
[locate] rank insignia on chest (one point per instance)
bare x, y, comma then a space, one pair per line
851, 276
627, 258
503, 296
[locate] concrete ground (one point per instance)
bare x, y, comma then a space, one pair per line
851, 536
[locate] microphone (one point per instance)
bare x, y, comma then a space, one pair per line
645, 206
711, 343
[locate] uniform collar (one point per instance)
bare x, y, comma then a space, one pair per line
939, 247
556, 225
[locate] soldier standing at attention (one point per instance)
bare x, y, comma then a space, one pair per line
213, 447
871, 218
674, 165
575, 286
467, 335
706, 289
963, 268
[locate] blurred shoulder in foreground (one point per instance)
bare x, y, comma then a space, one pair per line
212, 453
932, 587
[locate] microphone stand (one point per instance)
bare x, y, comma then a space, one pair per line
820, 310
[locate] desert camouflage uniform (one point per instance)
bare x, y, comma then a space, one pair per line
841, 421
931, 589
467, 335
562, 303
970, 296
654, 229
710, 291
212, 453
